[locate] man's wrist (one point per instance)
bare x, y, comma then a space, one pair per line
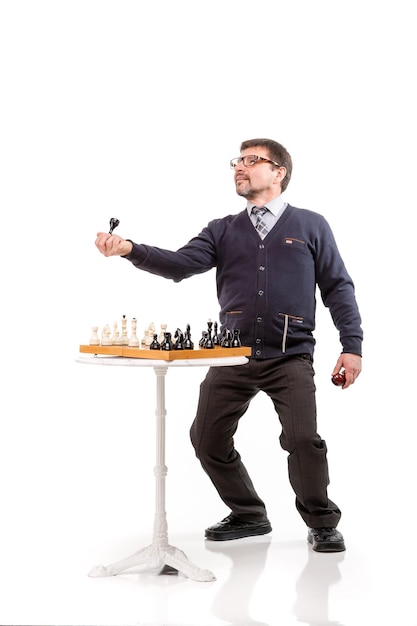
126, 247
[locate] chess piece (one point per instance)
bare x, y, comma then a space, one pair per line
94, 339
179, 339
148, 335
227, 338
106, 339
124, 337
203, 339
215, 335
236, 343
114, 222
166, 344
208, 343
116, 335
133, 340
188, 344
162, 332
155, 345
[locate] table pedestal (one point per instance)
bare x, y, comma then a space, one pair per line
160, 552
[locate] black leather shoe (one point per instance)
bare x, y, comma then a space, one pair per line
236, 528
326, 540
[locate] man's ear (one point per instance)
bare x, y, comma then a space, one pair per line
281, 174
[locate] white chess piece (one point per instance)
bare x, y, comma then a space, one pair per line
94, 339
133, 340
106, 339
162, 333
116, 335
124, 337
148, 335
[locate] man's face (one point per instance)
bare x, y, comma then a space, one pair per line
256, 179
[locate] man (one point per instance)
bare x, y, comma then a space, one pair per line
269, 259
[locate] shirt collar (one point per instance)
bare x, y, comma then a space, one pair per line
276, 206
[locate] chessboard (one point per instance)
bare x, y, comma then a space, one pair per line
166, 355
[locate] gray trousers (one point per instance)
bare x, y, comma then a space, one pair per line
225, 395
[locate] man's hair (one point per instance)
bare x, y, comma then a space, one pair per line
276, 152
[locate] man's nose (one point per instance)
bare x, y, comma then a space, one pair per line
240, 166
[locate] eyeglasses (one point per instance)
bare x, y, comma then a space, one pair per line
250, 160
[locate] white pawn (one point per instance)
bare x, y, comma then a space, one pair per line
134, 341
116, 335
162, 333
94, 339
148, 335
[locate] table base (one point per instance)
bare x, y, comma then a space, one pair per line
155, 556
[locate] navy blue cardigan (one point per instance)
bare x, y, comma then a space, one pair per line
267, 289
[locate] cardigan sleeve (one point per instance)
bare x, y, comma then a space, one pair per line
337, 290
196, 257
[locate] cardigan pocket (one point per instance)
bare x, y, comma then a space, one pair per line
288, 320
232, 317
235, 320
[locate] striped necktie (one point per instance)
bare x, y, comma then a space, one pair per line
260, 225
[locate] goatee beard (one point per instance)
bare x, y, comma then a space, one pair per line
245, 193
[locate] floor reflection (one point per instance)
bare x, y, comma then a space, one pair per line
312, 588
248, 558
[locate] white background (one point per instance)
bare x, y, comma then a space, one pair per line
133, 110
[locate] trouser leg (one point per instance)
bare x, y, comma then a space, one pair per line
293, 393
224, 397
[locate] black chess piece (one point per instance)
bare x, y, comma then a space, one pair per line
188, 344
227, 338
208, 343
203, 339
167, 342
179, 336
235, 342
155, 345
215, 335
114, 222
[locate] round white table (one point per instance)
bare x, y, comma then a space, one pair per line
159, 553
